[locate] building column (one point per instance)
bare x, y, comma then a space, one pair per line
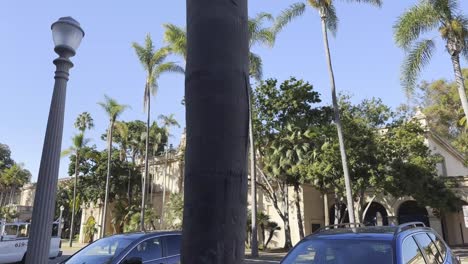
436, 224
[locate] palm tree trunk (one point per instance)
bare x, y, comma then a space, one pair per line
106, 197
77, 158
325, 209
299, 212
460, 83
216, 95
339, 128
337, 209
145, 177
287, 227
164, 192
253, 180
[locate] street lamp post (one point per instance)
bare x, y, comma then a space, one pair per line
67, 35
61, 221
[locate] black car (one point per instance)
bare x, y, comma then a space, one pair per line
410, 243
131, 248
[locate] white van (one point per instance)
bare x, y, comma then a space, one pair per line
14, 242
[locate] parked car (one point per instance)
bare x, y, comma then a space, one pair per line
14, 242
410, 243
131, 248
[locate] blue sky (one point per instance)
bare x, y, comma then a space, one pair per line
366, 61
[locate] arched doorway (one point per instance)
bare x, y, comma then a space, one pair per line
411, 211
375, 214
344, 217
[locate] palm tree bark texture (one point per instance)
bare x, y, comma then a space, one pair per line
216, 92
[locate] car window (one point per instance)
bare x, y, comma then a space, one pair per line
341, 251
429, 248
442, 250
10, 230
411, 253
147, 250
173, 245
101, 251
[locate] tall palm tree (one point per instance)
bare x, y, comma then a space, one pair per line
329, 22
113, 110
259, 34
79, 142
154, 63
167, 121
216, 94
424, 17
84, 121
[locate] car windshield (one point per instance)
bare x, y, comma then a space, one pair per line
333, 251
101, 251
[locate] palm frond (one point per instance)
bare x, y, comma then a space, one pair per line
144, 56
332, 19
417, 20
465, 49
255, 66
447, 8
67, 152
160, 55
264, 36
287, 15
84, 121
418, 57
260, 17
168, 67
176, 37
112, 108
258, 33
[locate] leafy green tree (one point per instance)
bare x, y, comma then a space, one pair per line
113, 110
11, 179
329, 21
5, 157
174, 212
387, 155
424, 17
440, 103
412, 169
284, 124
154, 63
8, 214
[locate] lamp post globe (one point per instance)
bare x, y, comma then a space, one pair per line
67, 35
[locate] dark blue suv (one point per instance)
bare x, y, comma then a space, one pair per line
410, 243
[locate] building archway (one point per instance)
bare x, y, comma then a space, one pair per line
411, 211
375, 212
344, 217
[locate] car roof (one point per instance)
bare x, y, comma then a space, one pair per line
369, 233
138, 235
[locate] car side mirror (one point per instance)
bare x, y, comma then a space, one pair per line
134, 260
